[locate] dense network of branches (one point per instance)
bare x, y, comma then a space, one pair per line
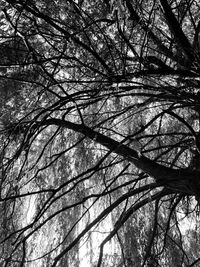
99, 129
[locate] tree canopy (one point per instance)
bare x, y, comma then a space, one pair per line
100, 134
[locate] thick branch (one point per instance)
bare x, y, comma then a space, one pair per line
182, 180
175, 28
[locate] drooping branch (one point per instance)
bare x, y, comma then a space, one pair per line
120, 221
125, 217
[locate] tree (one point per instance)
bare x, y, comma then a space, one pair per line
100, 138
